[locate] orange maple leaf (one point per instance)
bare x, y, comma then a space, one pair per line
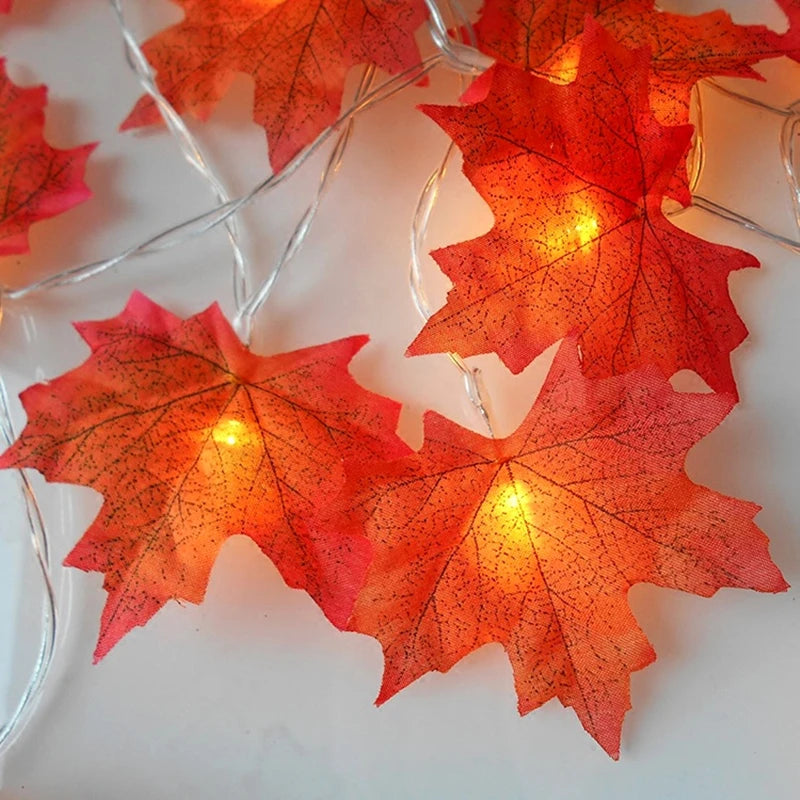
545, 36
297, 51
575, 176
534, 541
191, 439
36, 180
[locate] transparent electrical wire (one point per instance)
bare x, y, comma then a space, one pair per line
428, 198
223, 213
467, 54
200, 224
789, 131
742, 221
171, 237
15, 724
193, 153
188, 144
787, 139
458, 56
461, 57
246, 311
473, 384
462, 60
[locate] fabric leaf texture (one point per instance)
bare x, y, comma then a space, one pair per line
297, 51
575, 176
191, 439
37, 181
533, 541
546, 36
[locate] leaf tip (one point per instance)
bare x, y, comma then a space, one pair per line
105, 643
358, 341
6, 461
385, 693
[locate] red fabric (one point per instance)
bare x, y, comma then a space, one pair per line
545, 36
533, 541
297, 51
37, 181
575, 176
191, 439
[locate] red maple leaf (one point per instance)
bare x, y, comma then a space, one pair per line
5, 6
191, 439
36, 180
575, 176
297, 51
545, 36
533, 541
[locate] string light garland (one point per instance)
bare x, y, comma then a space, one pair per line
514, 497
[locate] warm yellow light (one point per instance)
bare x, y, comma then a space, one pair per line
562, 68
573, 229
586, 228
230, 448
513, 501
514, 519
515, 496
228, 431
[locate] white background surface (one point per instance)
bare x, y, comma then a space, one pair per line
253, 694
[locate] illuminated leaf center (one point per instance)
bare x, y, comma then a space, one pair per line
513, 510
230, 432
572, 230
587, 229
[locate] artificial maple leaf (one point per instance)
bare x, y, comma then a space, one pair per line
297, 51
533, 541
36, 180
545, 36
575, 176
191, 439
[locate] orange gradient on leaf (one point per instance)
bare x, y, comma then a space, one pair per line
533, 541
298, 53
231, 432
546, 37
513, 511
573, 231
191, 438
575, 177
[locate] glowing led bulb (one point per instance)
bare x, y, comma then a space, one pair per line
513, 500
514, 496
514, 519
228, 431
573, 229
586, 229
563, 68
